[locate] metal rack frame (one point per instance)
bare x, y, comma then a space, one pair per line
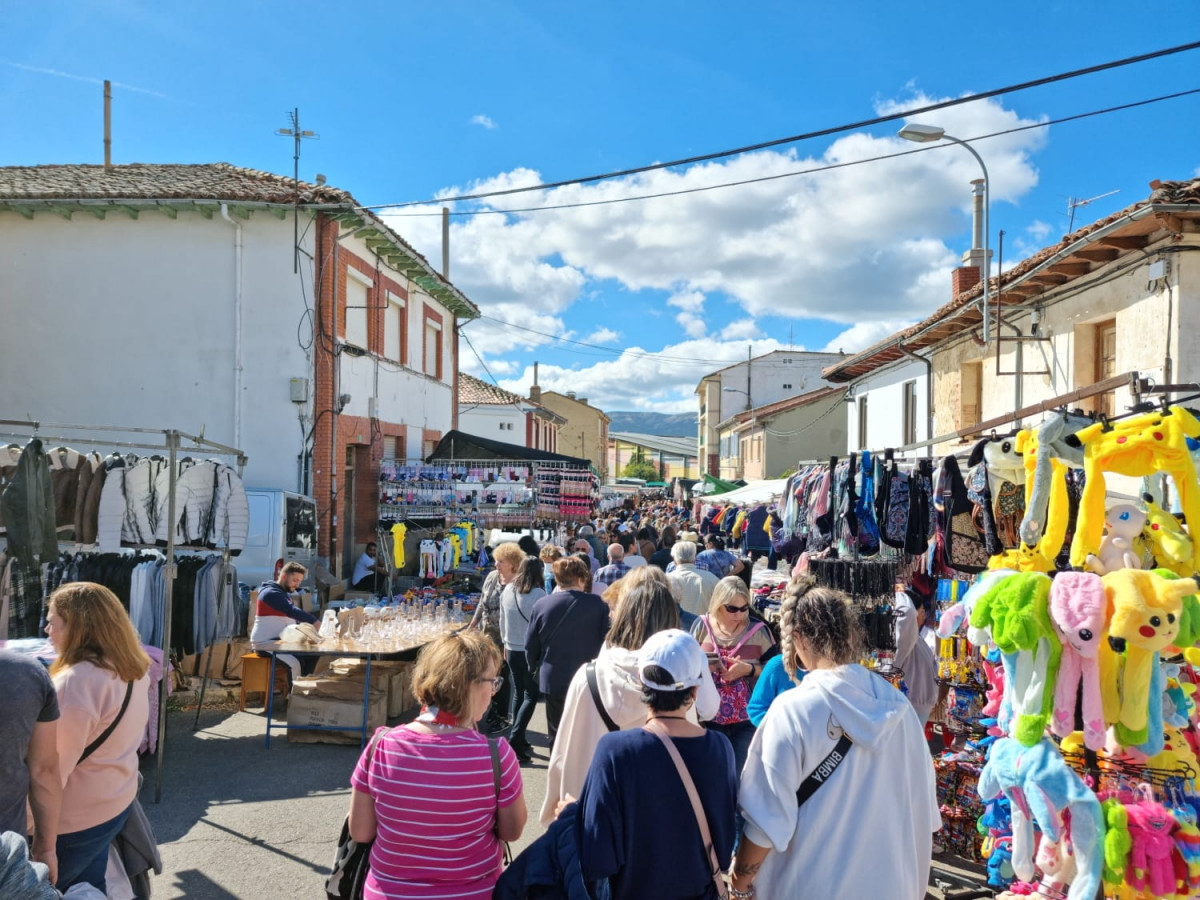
171, 441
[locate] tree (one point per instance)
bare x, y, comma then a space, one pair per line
640, 469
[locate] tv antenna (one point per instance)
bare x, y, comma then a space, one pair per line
1073, 203
299, 135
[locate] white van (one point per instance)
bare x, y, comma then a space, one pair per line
283, 528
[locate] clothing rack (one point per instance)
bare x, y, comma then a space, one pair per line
172, 441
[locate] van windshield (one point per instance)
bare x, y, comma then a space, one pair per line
301, 523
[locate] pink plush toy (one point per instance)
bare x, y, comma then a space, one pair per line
1080, 611
1057, 864
1150, 859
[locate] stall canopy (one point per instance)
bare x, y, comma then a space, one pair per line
460, 445
754, 492
714, 485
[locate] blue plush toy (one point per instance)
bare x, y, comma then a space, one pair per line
1039, 787
999, 863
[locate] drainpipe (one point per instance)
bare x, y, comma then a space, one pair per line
237, 327
928, 393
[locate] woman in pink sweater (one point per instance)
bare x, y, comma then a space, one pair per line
101, 678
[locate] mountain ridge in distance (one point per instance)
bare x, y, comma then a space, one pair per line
662, 424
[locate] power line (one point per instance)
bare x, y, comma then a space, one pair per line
823, 132
480, 358
810, 171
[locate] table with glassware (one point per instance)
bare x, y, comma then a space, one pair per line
393, 633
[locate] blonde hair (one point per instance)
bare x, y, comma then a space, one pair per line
633, 579
96, 629
448, 667
822, 616
551, 553
645, 607
510, 552
729, 588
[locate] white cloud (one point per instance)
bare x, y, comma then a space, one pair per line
633, 381
483, 120
870, 246
603, 336
863, 335
740, 330
692, 324
843, 244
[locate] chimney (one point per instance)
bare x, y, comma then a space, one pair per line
535, 392
583, 400
571, 394
968, 275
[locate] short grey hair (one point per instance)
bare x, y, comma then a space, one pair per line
683, 552
615, 552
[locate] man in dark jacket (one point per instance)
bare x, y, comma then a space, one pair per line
566, 630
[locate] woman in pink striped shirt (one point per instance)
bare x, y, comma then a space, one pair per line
428, 793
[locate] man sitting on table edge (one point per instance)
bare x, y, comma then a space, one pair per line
368, 571
275, 612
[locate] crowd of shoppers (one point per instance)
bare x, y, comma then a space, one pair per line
683, 732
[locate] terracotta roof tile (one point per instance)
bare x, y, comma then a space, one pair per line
159, 181
477, 391
209, 182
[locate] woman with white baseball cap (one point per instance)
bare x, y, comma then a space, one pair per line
671, 780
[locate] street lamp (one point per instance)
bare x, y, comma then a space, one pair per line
734, 390
927, 134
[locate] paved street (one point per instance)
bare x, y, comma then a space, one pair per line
240, 821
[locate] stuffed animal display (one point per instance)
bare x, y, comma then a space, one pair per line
1142, 445
1170, 544
1120, 548
1080, 610
1040, 788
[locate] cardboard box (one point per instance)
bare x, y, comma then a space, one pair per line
226, 660
330, 712
394, 675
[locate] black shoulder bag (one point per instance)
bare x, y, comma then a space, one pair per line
112, 726
594, 688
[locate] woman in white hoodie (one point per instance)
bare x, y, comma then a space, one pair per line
646, 606
838, 790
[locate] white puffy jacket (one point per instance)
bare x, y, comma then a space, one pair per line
141, 482
210, 506
113, 511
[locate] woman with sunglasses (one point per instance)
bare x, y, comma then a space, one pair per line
735, 645
426, 792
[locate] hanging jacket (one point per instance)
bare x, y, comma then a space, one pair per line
140, 498
549, 868
112, 509
28, 507
64, 479
10, 455
87, 511
754, 534
229, 521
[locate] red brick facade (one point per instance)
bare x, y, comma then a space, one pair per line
343, 443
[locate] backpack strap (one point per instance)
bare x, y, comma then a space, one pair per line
594, 688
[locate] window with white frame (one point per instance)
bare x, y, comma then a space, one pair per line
433, 349
910, 412
394, 332
356, 309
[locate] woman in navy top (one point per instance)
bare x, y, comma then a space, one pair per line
634, 810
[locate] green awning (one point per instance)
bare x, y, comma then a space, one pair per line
714, 485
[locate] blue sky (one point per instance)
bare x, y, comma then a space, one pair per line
415, 102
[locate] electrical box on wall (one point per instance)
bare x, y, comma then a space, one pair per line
299, 390
1157, 270
372, 407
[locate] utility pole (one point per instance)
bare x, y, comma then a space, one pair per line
749, 357
298, 135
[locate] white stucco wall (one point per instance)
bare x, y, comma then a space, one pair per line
884, 390
131, 322
485, 421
